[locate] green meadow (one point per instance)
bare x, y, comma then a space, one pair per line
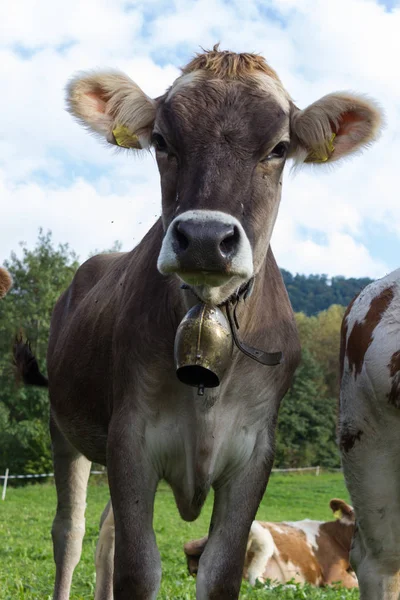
26, 561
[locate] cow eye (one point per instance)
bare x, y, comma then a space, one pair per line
159, 143
279, 151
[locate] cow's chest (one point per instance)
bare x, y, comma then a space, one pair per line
179, 450
202, 443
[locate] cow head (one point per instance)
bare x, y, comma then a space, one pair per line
221, 134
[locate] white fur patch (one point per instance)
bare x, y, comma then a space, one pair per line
241, 266
234, 452
262, 544
274, 88
271, 86
187, 80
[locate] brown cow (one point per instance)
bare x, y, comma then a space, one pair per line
306, 551
5, 282
221, 134
369, 429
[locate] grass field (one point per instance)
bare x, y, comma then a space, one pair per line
26, 562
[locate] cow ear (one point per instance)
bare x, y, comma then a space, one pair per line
113, 106
341, 510
334, 127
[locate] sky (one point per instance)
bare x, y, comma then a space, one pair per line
343, 220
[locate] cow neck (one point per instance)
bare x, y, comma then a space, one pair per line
344, 534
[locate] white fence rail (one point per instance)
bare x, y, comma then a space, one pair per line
38, 475
6, 477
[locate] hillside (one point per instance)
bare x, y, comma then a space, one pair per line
312, 293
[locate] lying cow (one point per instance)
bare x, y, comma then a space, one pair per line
306, 551
5, 282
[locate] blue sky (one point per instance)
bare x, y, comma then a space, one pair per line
389, 4
345, 220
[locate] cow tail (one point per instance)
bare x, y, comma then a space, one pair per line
26, 365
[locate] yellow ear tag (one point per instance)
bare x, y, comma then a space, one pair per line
338, 514
125, 138
315, 156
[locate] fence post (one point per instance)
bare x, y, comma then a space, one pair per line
317, 471
3, 496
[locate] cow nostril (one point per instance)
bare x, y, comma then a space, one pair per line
181, 239
230, 243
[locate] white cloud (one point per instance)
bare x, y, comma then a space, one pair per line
55, 175
93, 24
88, 217
337, 254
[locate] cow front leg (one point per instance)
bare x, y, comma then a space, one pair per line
235, 506
133, 483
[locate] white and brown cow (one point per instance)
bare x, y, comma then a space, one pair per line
369, 433
221, 136
315, 552
5, 282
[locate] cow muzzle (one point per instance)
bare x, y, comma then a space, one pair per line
207, 249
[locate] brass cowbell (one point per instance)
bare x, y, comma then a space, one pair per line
203, 347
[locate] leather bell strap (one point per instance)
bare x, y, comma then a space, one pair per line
270, 359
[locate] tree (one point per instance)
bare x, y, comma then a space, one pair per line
39, 277
320, 334
314, 293
307, 417
325, 345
